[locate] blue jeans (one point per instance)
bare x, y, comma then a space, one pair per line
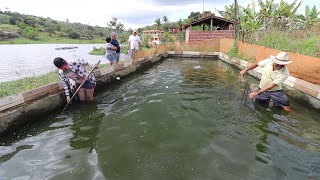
111, 57
117, 57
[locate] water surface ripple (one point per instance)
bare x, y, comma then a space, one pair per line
182, 119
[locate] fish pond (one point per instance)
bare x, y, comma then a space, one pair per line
180, 119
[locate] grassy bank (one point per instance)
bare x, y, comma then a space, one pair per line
25, 84
29, 83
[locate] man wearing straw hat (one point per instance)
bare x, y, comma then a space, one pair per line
273, 75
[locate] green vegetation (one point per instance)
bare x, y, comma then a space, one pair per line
102, 51
278, 26
25, 84
303, 42
18, 28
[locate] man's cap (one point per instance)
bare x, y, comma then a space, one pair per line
59, 62
113, 33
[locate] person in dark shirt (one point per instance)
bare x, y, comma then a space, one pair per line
115, 43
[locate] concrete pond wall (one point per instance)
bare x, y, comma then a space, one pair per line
29, 106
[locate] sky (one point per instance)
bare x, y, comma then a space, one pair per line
132, 13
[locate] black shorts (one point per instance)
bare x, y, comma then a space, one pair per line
88, 85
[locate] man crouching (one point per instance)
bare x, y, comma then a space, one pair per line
72, 74
274, 74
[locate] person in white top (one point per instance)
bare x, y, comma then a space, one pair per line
134, 44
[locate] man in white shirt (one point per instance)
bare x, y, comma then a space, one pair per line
274, 74
134, 44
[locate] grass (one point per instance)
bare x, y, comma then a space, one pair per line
25, 84
29, 83
102, 51
306, 42
9, 27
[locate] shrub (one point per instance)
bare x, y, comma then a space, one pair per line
74, 35
30, 33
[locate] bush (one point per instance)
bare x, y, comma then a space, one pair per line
181, 36
74, 35
1, 34
146, 40
30, 33
167, 38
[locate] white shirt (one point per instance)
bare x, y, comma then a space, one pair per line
269, 75
134, 41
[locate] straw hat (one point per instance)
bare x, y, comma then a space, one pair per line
281, 58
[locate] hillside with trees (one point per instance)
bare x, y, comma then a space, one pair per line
18, 28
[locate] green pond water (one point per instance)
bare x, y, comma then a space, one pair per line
181, 119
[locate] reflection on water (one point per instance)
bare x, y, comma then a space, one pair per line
18, 61
174, 121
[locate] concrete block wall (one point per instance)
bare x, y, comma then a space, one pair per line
205, 35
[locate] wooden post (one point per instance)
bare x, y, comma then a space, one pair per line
235, 21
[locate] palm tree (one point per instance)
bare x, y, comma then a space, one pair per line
158, 22
281, 15
310, 16
180, 24
165, 19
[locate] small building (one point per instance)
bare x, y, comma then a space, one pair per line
218, 28
175, 29
156, 35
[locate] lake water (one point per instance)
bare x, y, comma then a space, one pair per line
182, 119
18, 61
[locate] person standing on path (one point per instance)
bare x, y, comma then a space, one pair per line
115, 43
274, 74
134, 44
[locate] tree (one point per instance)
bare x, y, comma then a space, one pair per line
180, 24
158, 22
194, 16
146, 40
115, 25
12, 20
74, 35
206, 14
165, 19
1, 34
30, 32
167, 38
310, 16
22, 25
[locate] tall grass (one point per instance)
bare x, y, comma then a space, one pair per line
306, 42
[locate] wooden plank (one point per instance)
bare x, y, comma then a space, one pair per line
40, 92
10, 101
